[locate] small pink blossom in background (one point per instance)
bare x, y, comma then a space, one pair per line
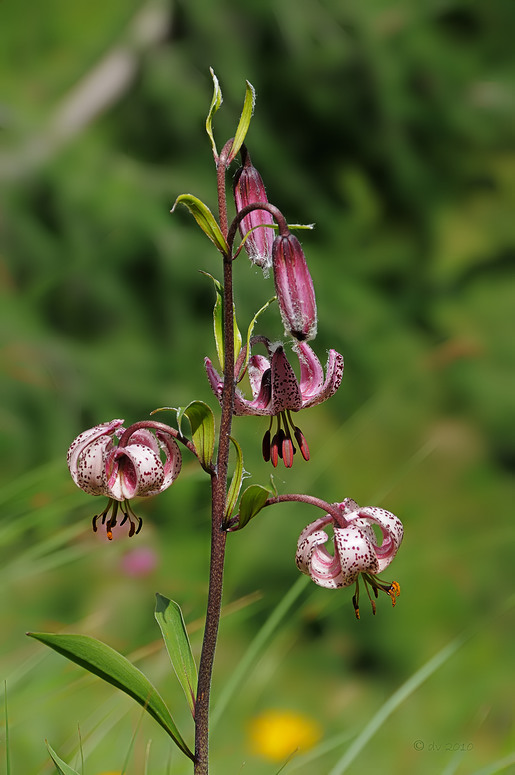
139, 562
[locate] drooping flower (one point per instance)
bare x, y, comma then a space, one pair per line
294, 288
356, 550
100, 465
249, 189
276, 392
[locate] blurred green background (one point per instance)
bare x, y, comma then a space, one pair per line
390, 125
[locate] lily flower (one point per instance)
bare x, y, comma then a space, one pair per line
100, 465
356, 550
276, 392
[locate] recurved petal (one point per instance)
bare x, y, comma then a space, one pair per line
311, 372
309, 539
88, 472
137, 470
391, 528
258, 366
355, 549
145, 437
173, 462
285, 387
214, 378
87, 437
333, 380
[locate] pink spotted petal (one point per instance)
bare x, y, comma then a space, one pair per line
82, 441
258, 366
285, 387
309, 539
145, 437
89, 473
215, 380
355, 549
391, 529
242, 406
311, 372
138, 471
313, 395
173, 462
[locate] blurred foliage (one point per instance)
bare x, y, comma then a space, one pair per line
389, 124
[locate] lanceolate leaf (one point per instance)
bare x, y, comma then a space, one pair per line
62, 767
215, 104
169, 618
202, 424
108, 664
243, 125
218, 318
205, 219
250, 332
251, 503
237, 478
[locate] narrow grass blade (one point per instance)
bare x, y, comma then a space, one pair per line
237, 677
402, 693
170, 619
62, 767
114, 668
7, 749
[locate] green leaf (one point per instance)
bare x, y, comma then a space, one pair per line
62, 767
250, 331
243, 125
218, 323
215, 104
205, 219
108, 664
251, 503
169, 618
237, 478
202, 422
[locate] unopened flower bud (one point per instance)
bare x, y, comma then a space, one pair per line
249, 189
294, 288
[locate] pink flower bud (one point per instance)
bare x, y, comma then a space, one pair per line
294, 288
249, 189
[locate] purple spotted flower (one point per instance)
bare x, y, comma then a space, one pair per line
102, 464
356, 549
249, 189
276, 392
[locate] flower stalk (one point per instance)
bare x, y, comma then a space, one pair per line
218, 496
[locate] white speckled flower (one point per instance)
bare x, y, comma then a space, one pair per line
277, 392
122, 471
356, 550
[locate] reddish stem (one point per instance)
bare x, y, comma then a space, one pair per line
218, 499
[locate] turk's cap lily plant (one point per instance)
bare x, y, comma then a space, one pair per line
100, 463
356, 549
276, 392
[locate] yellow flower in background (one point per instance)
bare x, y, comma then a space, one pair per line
111, 772
276, 734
